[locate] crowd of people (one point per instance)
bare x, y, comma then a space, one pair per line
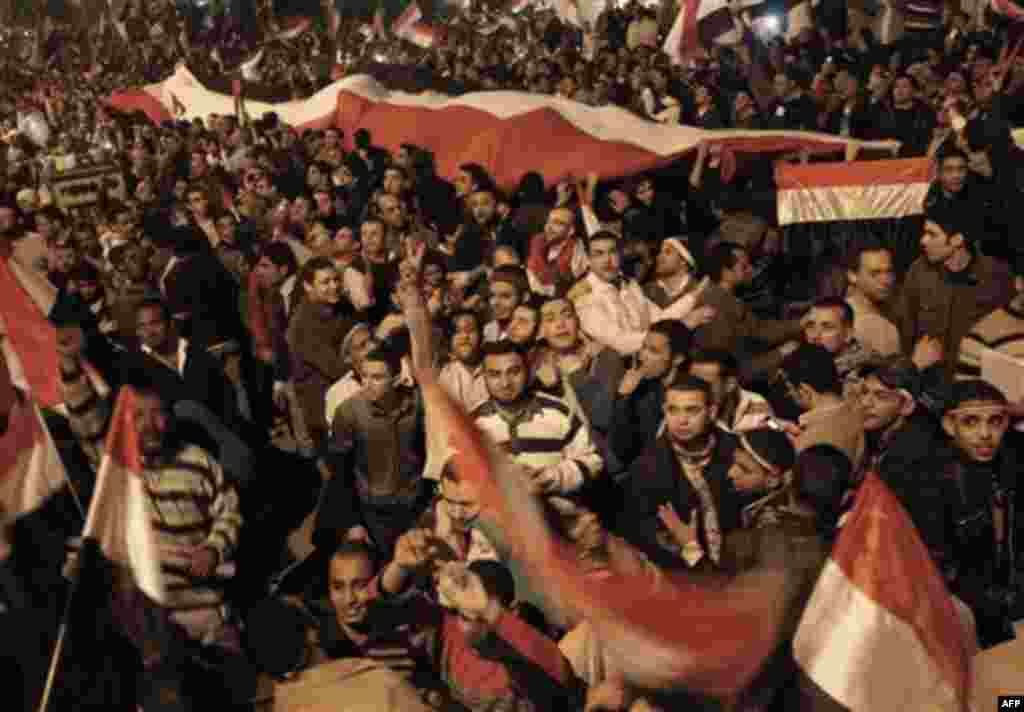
279, 300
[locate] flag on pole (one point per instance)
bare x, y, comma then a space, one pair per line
701, 24
669, 636
119, 516
881, 631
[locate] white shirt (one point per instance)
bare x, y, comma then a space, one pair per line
619, 316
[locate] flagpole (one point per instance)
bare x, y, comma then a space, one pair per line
58, 648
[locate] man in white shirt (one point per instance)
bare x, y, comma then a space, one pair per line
615, 311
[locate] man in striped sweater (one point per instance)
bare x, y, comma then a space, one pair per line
539, 432
194, 509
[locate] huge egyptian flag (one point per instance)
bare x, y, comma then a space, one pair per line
851, 191
507, 132
881, 631
119, 518
664, 636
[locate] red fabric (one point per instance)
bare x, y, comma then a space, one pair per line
881, 554
709, 640
21, 436
537, 260
259, 315
32, 336
690, 41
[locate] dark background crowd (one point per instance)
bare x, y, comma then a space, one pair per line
680, 380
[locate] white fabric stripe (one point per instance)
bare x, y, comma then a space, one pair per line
603, 123
855, 202
868, 660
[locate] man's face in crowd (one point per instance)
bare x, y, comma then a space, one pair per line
559, 225
465, 338
197, 165
483, 207
8, 219
645, 192
299, 211
349, 581
392, 211
605, 261
372, 234
462, 502
688, 415
656, 355
937, 245
619, 200
875, 276
743, 270
270, 275
199, 204
152, 422
464, 184
669, 262
711, 373
506, 376
378, 381
824, 327
559, 326
953, 174
63, 258
783, 86
523, 327
902, 91
977, 428
325, 288
394, 182
882, 406
153, 329
504, 300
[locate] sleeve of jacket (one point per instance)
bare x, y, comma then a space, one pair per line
225, 513
311, 346
88, 413
907, 309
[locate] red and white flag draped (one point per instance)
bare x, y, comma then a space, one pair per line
668, 636
881, 631
508, 133
701, 24
30, 467
30, 340
856, 190
119, 514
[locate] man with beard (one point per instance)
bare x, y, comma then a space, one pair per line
541, 433
678, 504
674, 268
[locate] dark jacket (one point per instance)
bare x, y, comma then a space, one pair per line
935, 302
315, 334
657, 478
